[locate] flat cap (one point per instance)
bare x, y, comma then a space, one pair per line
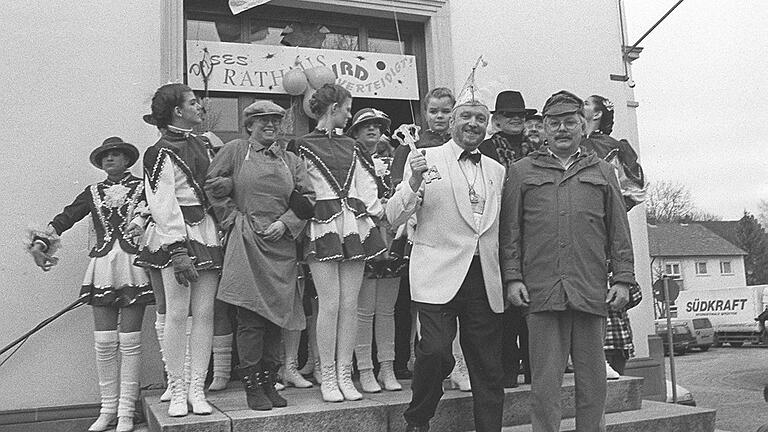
262, 108
562, 102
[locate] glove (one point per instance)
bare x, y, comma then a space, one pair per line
301, 206
183, 267
42, 259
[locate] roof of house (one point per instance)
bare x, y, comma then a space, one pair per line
728, 230
674, 239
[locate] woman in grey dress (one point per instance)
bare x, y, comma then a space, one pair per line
266, 211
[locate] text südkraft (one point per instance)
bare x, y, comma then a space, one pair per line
716, 305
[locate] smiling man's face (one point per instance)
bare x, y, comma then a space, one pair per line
469, 123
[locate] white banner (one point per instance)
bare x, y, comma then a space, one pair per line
237, 67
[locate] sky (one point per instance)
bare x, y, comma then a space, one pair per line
701, 82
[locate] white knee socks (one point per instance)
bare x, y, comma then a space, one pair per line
222, 361
130, 360
105, 343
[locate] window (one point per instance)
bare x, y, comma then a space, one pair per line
301, 27
701, 323
672, 269
701, 268
725, 267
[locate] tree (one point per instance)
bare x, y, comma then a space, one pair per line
762, 215
754, 241
698, 215
667, 202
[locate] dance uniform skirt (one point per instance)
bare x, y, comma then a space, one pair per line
113, 280
203, 246
342, 231
386, 265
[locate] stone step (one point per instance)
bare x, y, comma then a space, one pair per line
380, 412
652, 417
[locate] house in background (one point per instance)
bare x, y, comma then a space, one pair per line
695, 256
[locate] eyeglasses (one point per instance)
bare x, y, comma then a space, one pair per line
508, 114
569, 124
275, 120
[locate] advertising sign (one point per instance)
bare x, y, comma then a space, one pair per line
237, 67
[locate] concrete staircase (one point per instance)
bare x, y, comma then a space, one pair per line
383, 412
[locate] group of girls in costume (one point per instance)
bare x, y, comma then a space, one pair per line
231, 226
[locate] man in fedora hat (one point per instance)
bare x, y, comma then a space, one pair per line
562, 219
507, 146
509, 114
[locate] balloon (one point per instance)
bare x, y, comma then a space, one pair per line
295, 82
319, 76
307, 96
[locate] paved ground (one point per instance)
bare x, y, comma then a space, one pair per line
730, 380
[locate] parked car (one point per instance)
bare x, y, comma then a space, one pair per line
684, 397
682, 336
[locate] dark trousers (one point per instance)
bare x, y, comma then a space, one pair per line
403, 324
258, 341
515, 344
481, 342
617, 359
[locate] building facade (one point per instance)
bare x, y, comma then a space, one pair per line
695, 257
79, 72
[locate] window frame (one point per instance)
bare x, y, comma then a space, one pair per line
697, 268
730, 268
413, 37
672, 265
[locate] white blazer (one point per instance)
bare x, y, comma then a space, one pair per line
446, 236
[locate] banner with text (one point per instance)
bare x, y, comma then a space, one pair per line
249, 68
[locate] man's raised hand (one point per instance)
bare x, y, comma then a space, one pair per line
418, 168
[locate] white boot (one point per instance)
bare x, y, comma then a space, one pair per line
292, 376
330, 387
459, 376
196, 395
105, 343
130, 360
368, 381
178, 388
166, 396
290, 372
160, 332
222, 362
346, 385
610, 372
387, 376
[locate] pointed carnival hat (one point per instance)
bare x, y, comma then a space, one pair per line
470, 93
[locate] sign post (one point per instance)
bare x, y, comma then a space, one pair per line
670, 339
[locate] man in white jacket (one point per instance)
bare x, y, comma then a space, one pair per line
454, 267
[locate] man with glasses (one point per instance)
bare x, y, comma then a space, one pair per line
506, 145
562, 219
533, 137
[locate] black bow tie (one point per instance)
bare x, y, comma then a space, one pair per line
474, 157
